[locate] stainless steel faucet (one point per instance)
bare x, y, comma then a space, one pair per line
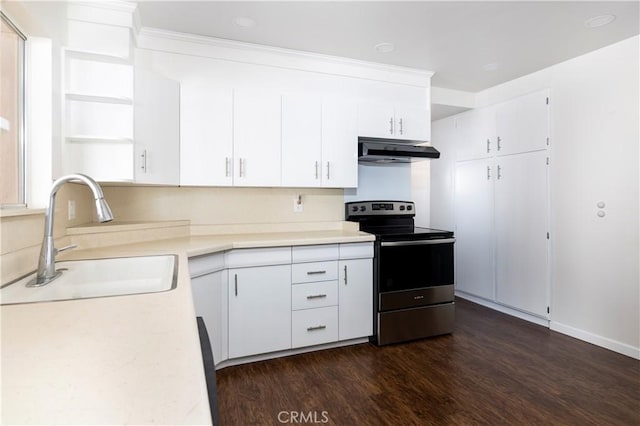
47, 261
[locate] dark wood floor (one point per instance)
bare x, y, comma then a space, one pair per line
494, 369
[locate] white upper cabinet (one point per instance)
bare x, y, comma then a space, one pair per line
476, 134
256, 140
319, 141
206, 135
381, 120
157, 129
301, 140
339, 143
522, 124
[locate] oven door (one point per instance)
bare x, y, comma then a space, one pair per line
416, 264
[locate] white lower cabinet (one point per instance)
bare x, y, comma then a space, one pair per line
355, 297
258, 301
259, 310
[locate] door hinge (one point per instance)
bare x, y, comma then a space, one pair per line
548, 310
547, 141
547, 161
547, 235
547, 100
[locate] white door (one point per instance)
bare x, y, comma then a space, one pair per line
355, 298
533, 122
259, 310
506, 127
339, 143
301, 140
376, 120
522, 223
210, 302
413, 123
206, 135
474, 256
476, 134
156, 129
256, 138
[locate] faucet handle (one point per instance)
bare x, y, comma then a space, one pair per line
65, 248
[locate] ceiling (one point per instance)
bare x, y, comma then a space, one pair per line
471, 46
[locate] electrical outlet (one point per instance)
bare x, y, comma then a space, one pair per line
297, 204
71, 210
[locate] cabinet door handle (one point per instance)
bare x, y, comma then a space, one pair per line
401, 127
488, 172
143, 167
316, 296
241, 164
317, 327
345, 275
316, 170
235, 278
499, 172
499, 146
227, 166
328, 170
488, 146
391, 125
316, 272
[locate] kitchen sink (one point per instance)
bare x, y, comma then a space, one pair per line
85, 279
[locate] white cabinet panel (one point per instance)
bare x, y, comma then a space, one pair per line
257, 133
506, 127
301, 140
210, 302
474, 256
521, 205
413, 123
314, 271
258, 257
339, 143
476, 134
157, 129
314, 295
316, 253
259, 310
376, 120
522, 124
206, 135
355, 296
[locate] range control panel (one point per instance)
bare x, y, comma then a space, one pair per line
378, 208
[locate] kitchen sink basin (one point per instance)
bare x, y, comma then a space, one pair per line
84, 279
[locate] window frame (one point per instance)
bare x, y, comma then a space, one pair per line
22, 151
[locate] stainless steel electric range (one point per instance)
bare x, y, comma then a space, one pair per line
413, 272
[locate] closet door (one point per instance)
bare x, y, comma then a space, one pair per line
522, 223
474, 257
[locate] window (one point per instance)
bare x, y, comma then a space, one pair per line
12, 182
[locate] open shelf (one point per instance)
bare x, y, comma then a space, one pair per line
98, 139
99, 98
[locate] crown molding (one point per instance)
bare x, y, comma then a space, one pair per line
215, 48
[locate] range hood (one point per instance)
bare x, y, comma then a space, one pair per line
382, 150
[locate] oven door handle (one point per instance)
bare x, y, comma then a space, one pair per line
417, 243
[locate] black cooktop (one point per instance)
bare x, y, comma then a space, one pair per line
407, 233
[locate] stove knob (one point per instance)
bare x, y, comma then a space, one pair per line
363, 208
409, 207
401, 208
354, 208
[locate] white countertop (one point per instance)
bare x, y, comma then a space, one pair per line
120, 360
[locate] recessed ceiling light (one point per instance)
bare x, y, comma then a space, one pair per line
384, 47
244, 22
490, 67
599, 21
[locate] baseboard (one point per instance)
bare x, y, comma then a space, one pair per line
504, 309
605, 342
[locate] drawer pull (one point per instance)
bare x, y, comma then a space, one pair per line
316, 272
316, 296
317, 327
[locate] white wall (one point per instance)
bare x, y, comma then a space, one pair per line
594, 157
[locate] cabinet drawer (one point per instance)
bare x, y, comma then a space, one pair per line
356, 250
314, 271
314, 295
314, 326
317, 253
240, 258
